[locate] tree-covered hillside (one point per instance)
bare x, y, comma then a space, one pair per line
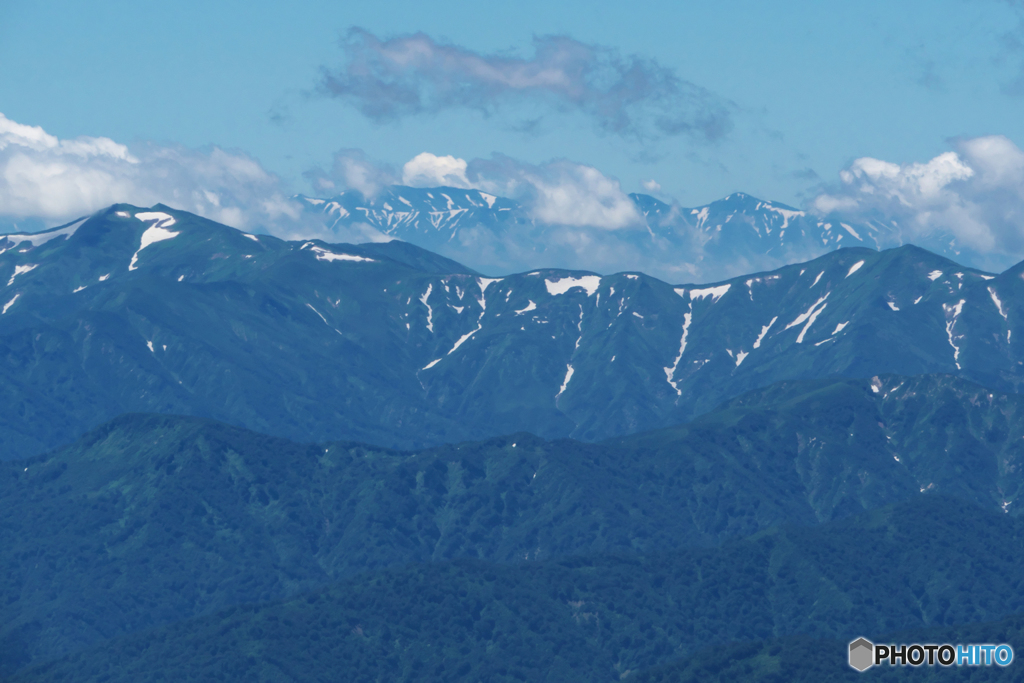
154, 519
927, 562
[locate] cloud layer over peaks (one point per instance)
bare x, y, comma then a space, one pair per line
558, 192
44, 177
973, 195
628, 96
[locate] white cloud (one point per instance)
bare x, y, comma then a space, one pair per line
651, 186
352, 170
998, 160
573, 194
44, 177
558, 192
429, 170
14, 134
973, 195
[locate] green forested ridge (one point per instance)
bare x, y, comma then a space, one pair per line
153, 519
928, 432
926, 562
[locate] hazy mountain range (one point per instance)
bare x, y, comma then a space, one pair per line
732, 236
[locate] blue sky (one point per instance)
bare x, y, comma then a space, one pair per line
811, 86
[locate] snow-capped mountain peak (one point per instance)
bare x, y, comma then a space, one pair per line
726, 237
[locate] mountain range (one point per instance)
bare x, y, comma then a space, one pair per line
225, 455
732, 236
158, 310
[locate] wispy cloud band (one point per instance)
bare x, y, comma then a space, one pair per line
629, 96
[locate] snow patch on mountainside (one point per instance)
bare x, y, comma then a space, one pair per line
486, 282
786, 214
702, 216
810, 321
850, 230
590, 283
162, 220
832, 337
997, 302
319, 314
764, 331
529, 307
157, 233
715, 293
565, 383
430, 311
579, 328
40, 238
799, 320
670, 372
324, 255
810, 315
18, 270
463, 339
952, 313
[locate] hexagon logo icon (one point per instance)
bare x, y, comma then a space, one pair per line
862, 654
